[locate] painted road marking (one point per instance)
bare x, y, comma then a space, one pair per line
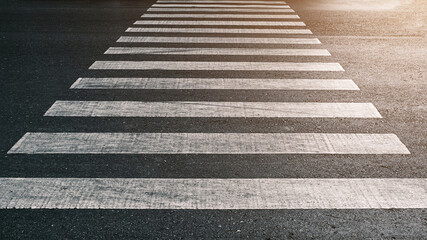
196, 193
212, 109
217, 16
216, 66
216, 23
214, 83
220, 1
218, 51
188, 5
208, 143
284, 10
219, 30
147, 39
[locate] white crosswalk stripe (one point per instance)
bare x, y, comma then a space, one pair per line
231, 40
212, 109
217, 51
214, 83
224, 1
208, 143
219, 30
221, 1
161, 193
213, 193
219, 6
216, 66
219, 23
246, 10
218, 16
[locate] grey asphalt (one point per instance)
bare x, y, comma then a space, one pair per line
47, 45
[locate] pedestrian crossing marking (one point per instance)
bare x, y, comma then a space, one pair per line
197, 193
218, 51
188, 5
212, 109
231, 40
215, 66
221, 1
194, 5
214, 83
213, 193
218, 16
219, 30
208, 143
248, 10
219, 23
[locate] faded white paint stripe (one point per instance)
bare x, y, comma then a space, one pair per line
217, 66
185, 1
217, 16
218, 51
188, 5
239, 40
194, 193
212, 109
219, 30
219, 23
208, 143
220, 10
214, 83
221, 1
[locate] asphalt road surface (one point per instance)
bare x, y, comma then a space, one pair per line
213, 119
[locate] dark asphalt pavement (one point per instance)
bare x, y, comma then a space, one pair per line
47, 45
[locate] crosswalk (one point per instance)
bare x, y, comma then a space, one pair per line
242, 23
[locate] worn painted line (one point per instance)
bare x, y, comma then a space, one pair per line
219, 30
208, 143
231, 40
218, 51
214, 83
202, 193
221, 1
218, 16
258, 10
216, 66
188, 5
212, 109
218, 23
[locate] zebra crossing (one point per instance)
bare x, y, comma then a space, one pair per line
257, 20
